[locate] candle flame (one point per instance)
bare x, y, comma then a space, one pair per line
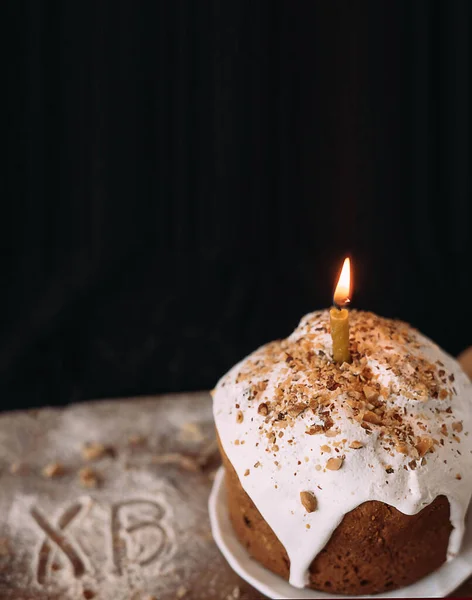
342, 293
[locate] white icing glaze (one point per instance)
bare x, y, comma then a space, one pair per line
275, 489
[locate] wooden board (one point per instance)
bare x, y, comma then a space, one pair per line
142, 533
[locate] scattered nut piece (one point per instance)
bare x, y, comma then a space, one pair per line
325, 448
458, 476
309, 501
188, 463
239, 417
334, 464
88, 477
53, 470
246, 472
191, 432
355, 445
458, 427
94, 451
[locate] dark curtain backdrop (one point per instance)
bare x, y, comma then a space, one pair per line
183, 179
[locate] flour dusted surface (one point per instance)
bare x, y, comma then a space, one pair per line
142, 533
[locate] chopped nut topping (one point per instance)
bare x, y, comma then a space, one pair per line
53, 470
334, 464
263, 409
246, 472
458, 427
424, 445
239, 417
325, 448
401, 447
371, 417
355, 445
314, 430
310, 387
370, 393
309, 501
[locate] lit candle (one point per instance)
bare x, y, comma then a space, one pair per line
339, 316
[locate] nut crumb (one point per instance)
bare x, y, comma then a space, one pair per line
458, 476
370, 393
309, 501
246, 472
458, 427
401, 447
88, 477
263, 409
424, 445
53, 470
355, 445
334, 464
371, 417
325, 448
239, 417
94, 451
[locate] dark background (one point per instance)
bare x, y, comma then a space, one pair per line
183, 180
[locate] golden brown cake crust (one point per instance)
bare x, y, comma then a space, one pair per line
376, 548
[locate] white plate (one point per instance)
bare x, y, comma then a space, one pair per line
437, 585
